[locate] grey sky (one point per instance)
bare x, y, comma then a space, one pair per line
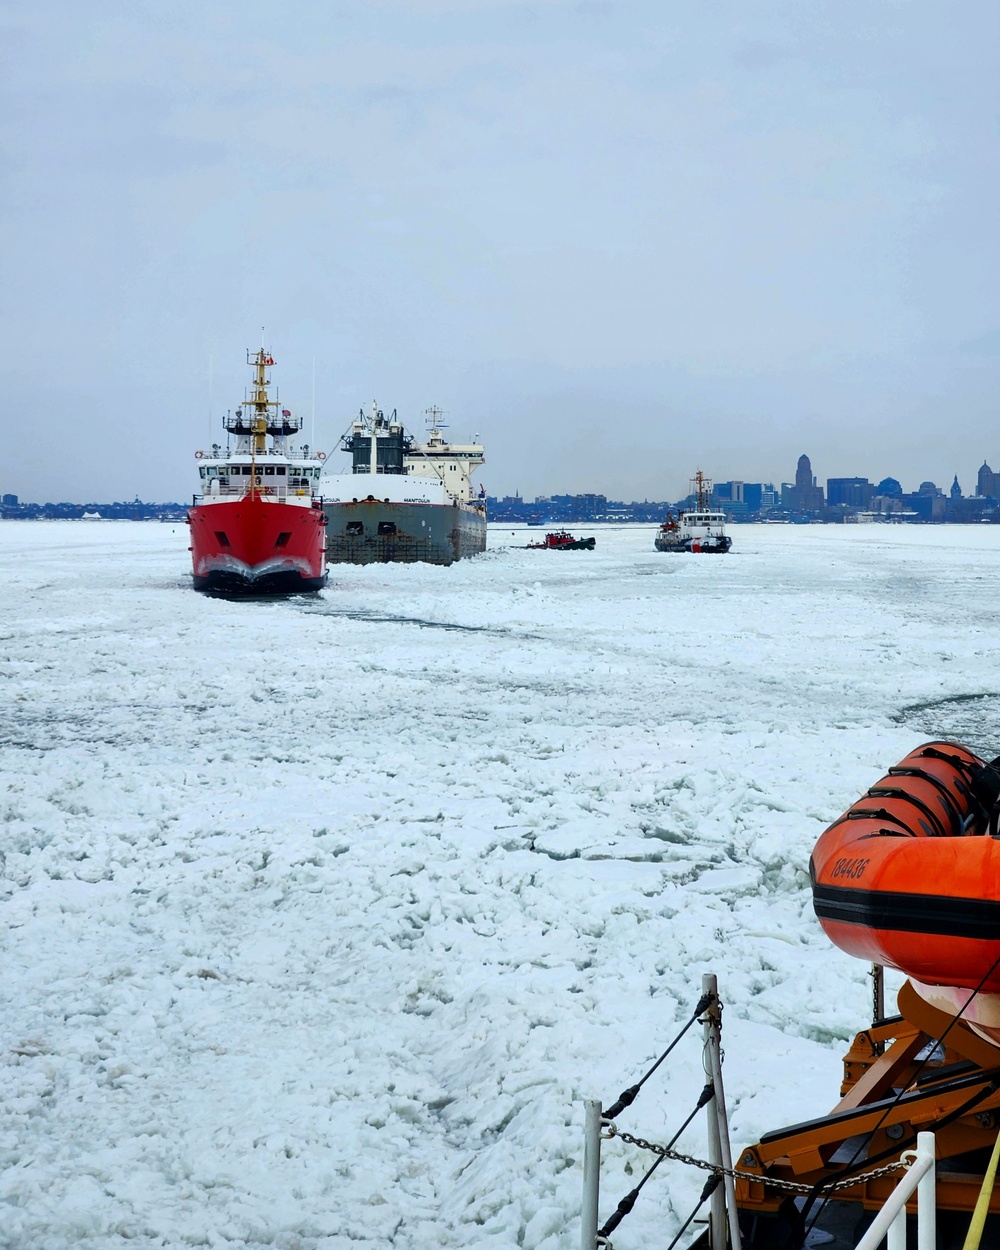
620, 240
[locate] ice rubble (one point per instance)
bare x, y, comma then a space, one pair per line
323, 915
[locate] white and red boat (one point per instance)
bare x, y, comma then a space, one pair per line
258, 525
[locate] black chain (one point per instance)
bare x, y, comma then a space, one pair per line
665, 1152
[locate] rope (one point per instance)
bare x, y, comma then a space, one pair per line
710, 1186
628, 1096
628, 1202
975, 1233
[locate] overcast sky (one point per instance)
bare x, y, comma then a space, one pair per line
620, 240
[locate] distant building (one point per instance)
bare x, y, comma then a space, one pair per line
752, 494
730, 498
769, 497
929, 488
8, 501
986, 482
928, 505
805, 495
890, 487
849, 492
732, 491
956, 490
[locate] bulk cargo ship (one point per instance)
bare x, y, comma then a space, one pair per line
404, 501
257, 527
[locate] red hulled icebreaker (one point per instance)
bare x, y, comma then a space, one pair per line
258, 525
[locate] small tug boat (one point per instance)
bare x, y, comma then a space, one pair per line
257, 527
908, 877
697, 529
561, 540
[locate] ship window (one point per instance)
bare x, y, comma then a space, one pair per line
223, 540
211, 471
282, 539
246, 470
355, 527
201, 472
387, 527
281, 470
269, 468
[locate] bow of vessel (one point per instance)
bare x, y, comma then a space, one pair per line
257, 523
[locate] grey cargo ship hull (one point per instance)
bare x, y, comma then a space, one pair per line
373, 531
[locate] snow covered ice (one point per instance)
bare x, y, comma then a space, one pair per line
323, 915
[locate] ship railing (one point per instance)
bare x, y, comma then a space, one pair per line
299, 494
723, 1221
890, 1223
268, 451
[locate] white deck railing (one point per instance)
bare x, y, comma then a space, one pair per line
299, 495
891, 1220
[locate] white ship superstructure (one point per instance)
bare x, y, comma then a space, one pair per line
452, 464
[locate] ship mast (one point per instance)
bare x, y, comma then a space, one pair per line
261, 403
434, 424
373, 457
702, 490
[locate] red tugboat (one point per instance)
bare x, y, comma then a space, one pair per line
257, 527
560, 540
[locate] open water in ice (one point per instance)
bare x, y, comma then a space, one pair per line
323, 915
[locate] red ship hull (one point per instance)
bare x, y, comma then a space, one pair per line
251, 546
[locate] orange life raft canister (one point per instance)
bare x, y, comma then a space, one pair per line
909, 876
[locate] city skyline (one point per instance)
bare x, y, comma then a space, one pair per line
802, 494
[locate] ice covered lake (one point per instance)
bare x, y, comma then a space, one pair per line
322, 916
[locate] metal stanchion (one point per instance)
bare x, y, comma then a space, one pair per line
591, 1173
717, 1116
717, 1205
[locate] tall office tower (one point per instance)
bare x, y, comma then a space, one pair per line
807, 496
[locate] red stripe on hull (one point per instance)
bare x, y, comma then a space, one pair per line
252, 546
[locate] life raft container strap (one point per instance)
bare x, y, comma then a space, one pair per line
879, 813
946, 748
983, 781
986, 788
898, 792
942, 789
957, 761
903, 831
